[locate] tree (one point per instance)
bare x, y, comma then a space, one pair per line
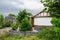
52, 6
6, 24
11, 18
22, 14
25, 25
11, 14
1, 19
23, 20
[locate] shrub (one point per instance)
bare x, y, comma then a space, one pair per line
57, 30
56, 22
14, 26
6, 24
51, 34
1, 27
1, 19
47, 34
25, 25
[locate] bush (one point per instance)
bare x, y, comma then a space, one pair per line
51, 34
1, 19
1, 27
56, 22
6, 24
14, 26
25, 25
47, 34
57, 30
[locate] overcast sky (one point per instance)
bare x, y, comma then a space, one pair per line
33, 6
13, 6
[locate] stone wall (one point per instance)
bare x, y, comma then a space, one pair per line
21, 33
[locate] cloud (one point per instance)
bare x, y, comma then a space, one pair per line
13, 6
31, 4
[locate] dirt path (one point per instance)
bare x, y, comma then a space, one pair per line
5, 29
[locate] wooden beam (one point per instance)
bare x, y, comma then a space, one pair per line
44, 25
32, 21
43, 17
39, 13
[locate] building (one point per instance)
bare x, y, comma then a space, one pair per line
41, 15
10, 18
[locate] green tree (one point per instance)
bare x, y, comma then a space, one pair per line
25, 25
6, 24
21, 15
1, 19
12, 17
23, 20
52, 7
11, 14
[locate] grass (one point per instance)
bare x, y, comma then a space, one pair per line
20, 38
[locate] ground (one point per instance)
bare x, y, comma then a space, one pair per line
21, 38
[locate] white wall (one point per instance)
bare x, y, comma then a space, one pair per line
42, 21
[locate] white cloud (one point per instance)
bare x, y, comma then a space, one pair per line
28, 4
32, 4
13, 6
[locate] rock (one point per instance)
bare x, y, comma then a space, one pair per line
4, 33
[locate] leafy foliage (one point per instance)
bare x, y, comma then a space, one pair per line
21, 15
6, 24
14, 26
25, 25
56, 22
1, 19
11, 14
52, 6
23, 20
50, 34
